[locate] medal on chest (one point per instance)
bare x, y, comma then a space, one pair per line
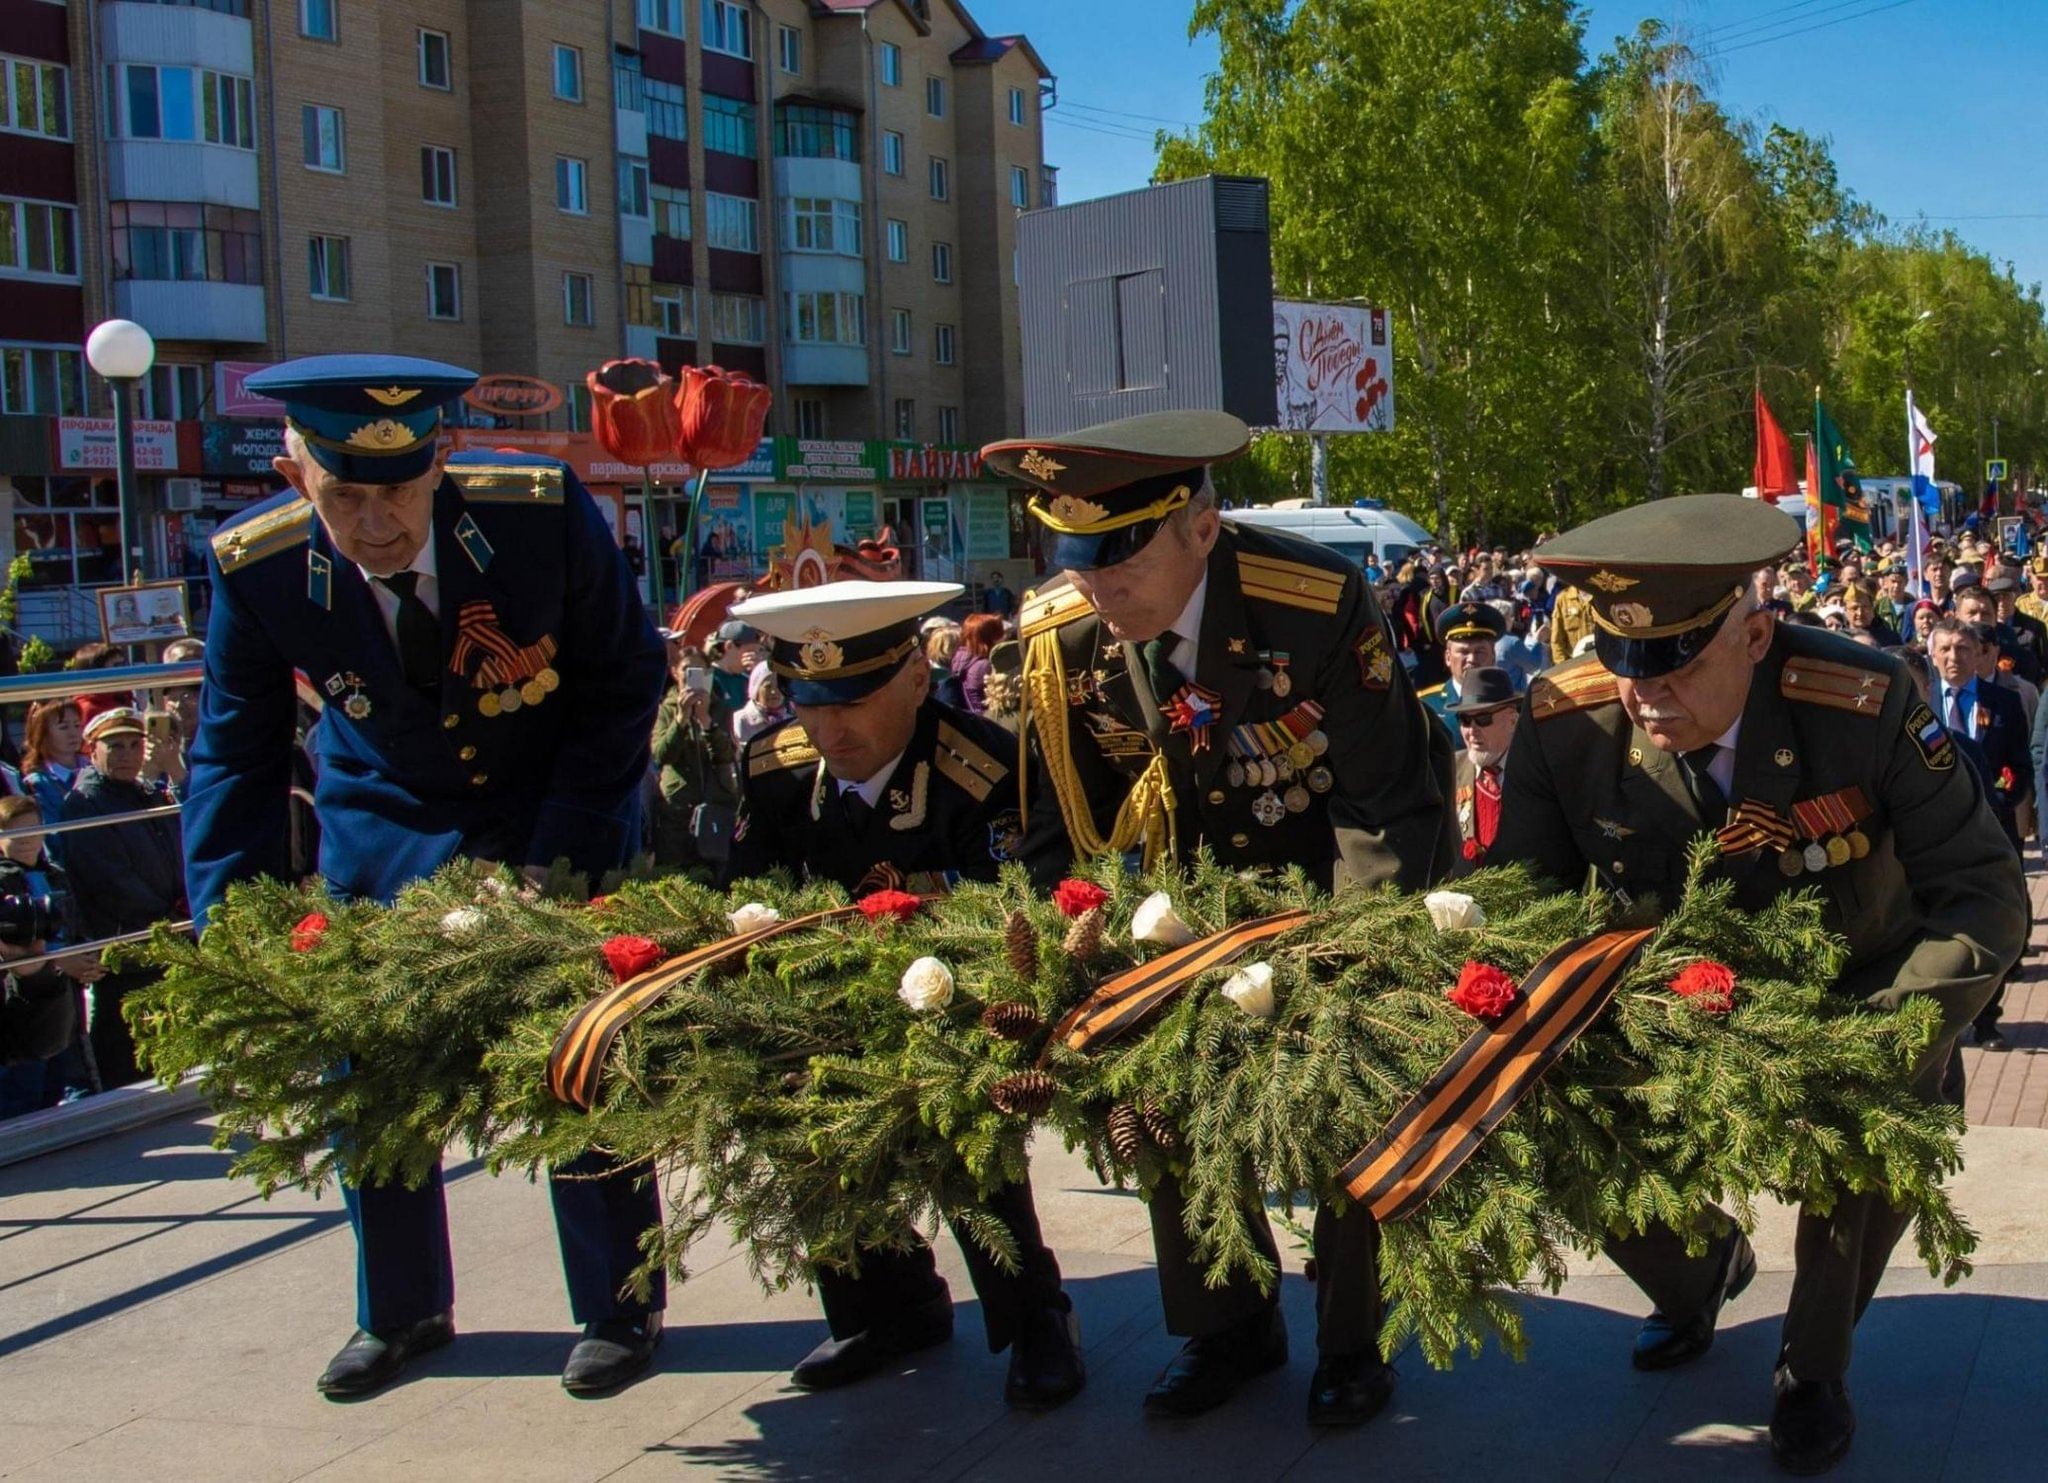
355, 705
506, 675
1193, 710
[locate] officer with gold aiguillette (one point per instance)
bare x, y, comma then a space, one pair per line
490, 684
1815, 765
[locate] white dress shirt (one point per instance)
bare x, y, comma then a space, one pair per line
1185, 654
1722, 768
870, 791
427, 589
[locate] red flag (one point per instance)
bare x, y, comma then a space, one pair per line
1816, 512
1773, 474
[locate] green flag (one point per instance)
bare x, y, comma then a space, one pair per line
1841, 491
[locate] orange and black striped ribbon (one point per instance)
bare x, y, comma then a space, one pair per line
1444, 1123
576, 1064
1753, 824
1123, 1003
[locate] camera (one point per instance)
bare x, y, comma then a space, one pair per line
27, 919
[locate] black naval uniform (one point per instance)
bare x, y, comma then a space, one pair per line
1320, 756
948, 812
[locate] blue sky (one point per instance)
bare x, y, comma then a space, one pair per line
1933, 107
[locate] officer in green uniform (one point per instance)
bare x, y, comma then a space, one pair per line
1817, 765
1191, 684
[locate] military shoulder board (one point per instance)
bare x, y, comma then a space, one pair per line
1291, 583
1572, 688
509, 484
1053, 609
779, 750
963, 762
1845, 687
266, 535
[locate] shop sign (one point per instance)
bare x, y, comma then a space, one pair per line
240, 447
232, 398
760, 463
988, 524
827, 460
932, 463
581, 451
89, 443
514, 396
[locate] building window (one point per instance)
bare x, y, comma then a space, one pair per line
935, 96
41, 381
1020, 186
444, 291
437, 175
906, 417
665, 16
804, 131
675, 311
38, 239
668, 113
35, 98
821, 224
1017, 105
940, 179
739, 319
942, 262
729, 126
629, 82
732, 222
579, 407
891, 64
568, 73
789, 49
326, 148
572, 186
173, 392
317, 19
639, 286
725, 29
577, 296
178, 103
184, 240
942, 344
899, 332
810, 416
434, 69
327, 267
892, 152
671, 206
949, 424
825, 318
632, 186
899, 241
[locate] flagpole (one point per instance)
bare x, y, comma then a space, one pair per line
1916, 533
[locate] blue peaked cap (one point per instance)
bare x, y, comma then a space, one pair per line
369, 419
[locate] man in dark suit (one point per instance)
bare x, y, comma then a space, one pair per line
1485, 718
490, 684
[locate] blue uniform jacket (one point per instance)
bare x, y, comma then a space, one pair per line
534, 747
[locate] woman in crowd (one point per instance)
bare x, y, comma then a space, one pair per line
42, 1024
765, 705
978, 635
941, 651
51, 762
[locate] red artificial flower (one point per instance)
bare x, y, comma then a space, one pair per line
629, 957
719, 416
2006, 665
1484, 991
2006, 779
600, 903
633, 411
1472, 850
308, 930
899, 906
1077, 898
1709, 985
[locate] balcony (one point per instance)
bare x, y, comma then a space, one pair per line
636, 240
826, 179
805, 364
174, 170
170, 309
177, 36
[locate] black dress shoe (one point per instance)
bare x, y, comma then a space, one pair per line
1208, 1370
838, 1362
610, 1354
1349, 1389
1990, 1039
1046, 1369
1665, 1342
1812, 1424
369, 1362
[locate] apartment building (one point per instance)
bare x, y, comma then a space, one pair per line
820, 192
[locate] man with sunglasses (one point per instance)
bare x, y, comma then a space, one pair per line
1192, 684
1485, 718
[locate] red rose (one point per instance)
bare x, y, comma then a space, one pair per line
308, 931
1472, 851
1077, 898
900, 906
2006, 779
629, 957
599, 903
1709, 985
1484, 991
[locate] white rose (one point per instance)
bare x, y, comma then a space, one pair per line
927, 984
1156, 921
462, 922
1454, 911
491, 888
1251, 990
753, 917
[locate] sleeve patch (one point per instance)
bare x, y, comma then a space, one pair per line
1931, 739
1375, 659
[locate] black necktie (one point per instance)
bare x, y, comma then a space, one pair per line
858, 809
1160, 672
1706, 793
419, 632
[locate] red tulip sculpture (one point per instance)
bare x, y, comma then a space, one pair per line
719, 417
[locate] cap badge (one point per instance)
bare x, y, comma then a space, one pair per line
1037, 465
1072, 510
1783, 757
390, 396
1608, 581
381, 434
818, 653
1629, 615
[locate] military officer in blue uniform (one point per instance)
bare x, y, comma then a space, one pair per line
1470, 632
490, 683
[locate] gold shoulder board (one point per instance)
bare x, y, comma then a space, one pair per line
280, 530
780, 750
1845, 687
1053, 609
509, 484
1572, 687
963, 762
1292, 583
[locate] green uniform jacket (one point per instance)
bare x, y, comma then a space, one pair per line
1373, 803
1937, 905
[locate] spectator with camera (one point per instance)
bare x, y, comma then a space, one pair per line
697, 788
129, 875
42, 1019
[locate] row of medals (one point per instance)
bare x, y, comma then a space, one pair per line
1266, 768
1819, 855
512, 697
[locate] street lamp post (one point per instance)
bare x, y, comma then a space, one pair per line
122, 351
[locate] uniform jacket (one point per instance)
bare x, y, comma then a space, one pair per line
1383, 813
947, 812
1936, 905
493, 766
128, 876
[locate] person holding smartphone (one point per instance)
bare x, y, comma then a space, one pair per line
693, 754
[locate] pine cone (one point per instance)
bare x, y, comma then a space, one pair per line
1011, 1020
1084, 938
1020, 946
1161, 1127
1027, 1094
1126, 1133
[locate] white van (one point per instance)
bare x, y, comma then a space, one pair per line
1356, 532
